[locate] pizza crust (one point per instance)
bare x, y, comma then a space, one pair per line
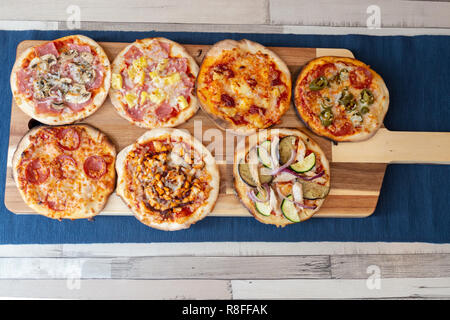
381, 108
94, 207
177, 50
214, 53
210, 165
242, 188
28, 106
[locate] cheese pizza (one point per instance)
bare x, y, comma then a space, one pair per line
168, 179
65, 171
281, 176
61, 81
152, 83
243, 86
341, 98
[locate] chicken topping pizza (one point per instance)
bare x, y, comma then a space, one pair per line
282, 176
168, 179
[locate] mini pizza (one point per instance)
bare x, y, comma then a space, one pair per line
341, 98
152, 83
243, 86
281, 176
61, 81
65, 171
168, 179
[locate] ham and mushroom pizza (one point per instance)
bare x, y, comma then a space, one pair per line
152, 83
243, 86
61, 81
341, 98
281, 176
168, 179
65, 171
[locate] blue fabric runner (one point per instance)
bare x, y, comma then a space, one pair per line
414, 204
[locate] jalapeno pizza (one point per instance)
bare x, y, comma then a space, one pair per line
168, 179
152, 83
65, 171
243, 86
61, 81
341, 98
281, 176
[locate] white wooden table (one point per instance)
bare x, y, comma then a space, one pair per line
228, 270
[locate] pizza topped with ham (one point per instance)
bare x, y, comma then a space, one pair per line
152, 83
168, 179
341, 98
243, 86
61, 81
65, 171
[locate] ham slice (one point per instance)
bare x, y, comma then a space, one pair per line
79, 48
75, 107
25, 82
177, 65
165, 111
45, 106
98, 79
132, 54
48, 48
137, 114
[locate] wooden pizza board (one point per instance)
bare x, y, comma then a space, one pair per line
357, 169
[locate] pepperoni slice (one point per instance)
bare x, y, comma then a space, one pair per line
36, 173
55, 205
64, 166
95, 167
69, 139
360, 78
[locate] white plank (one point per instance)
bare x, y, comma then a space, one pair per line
391, 266
218, 249
341, 289
305, 267
156, 11
115, 289
353, 13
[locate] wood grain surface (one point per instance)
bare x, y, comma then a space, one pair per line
355, 182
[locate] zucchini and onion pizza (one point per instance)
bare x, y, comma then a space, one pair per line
243, 86
61, 81
65, 171
342, 99
281, 176
152, 83
168, 179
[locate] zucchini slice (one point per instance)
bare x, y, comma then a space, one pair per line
264, 154
289, 209
305, 165
263, 207
244, 173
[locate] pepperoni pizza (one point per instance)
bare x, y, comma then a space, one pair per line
243, 86
61, 81
65, 171
152, 83
341, 98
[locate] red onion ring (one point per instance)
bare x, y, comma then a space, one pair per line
251, 194
304, 177
284, 166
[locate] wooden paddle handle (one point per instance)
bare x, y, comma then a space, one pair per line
396, 147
